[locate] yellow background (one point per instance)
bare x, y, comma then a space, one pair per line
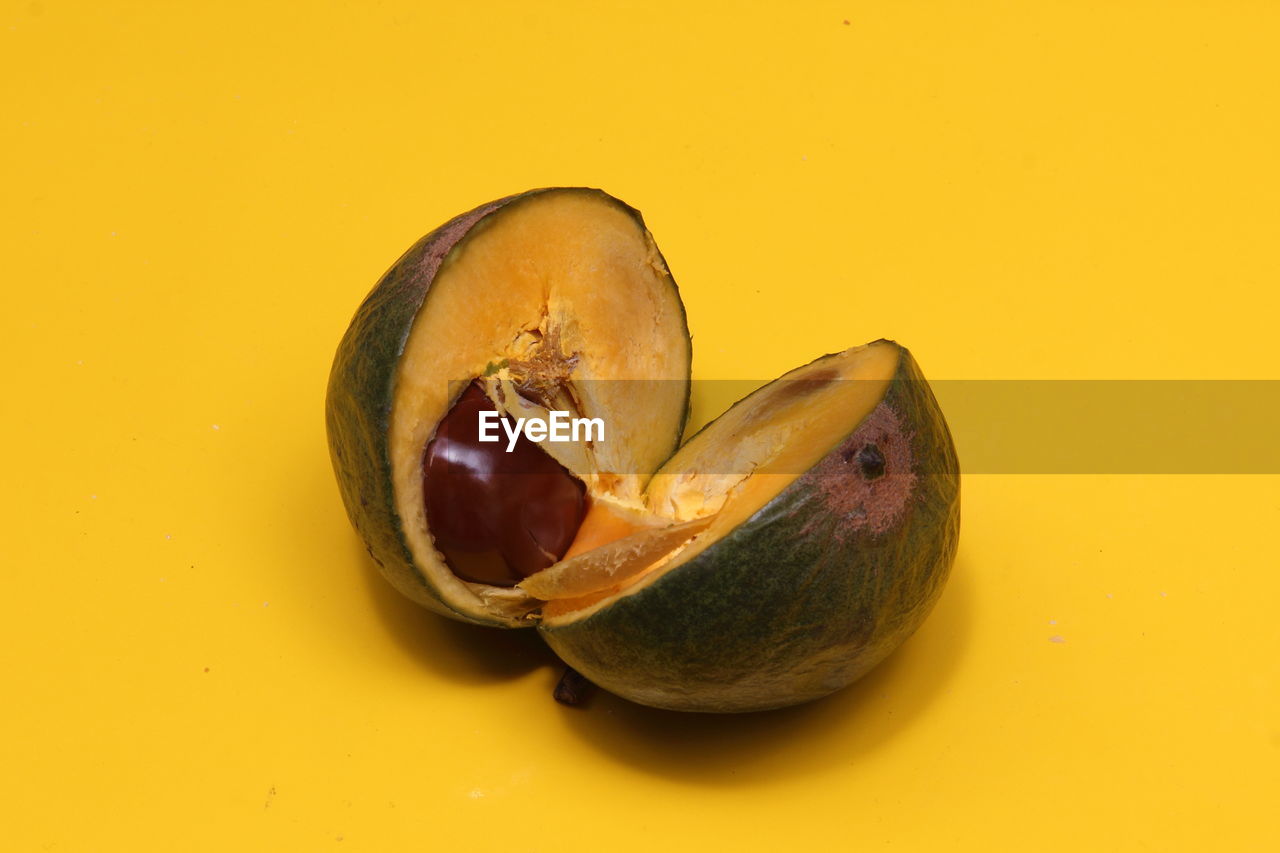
193, 200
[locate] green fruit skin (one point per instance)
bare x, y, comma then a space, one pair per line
807, 595
361, 395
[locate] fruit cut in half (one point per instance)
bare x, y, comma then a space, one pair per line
827, 514
553, 300
778, 555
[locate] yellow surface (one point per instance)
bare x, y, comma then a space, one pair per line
193, 199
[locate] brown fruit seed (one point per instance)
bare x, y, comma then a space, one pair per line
497, 517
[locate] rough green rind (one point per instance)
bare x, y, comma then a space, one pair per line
361, 394
817, 587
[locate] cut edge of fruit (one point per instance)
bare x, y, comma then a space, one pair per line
612, 563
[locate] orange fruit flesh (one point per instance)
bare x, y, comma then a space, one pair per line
601, 526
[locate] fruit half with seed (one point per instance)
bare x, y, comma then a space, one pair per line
785, 549
553, 299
